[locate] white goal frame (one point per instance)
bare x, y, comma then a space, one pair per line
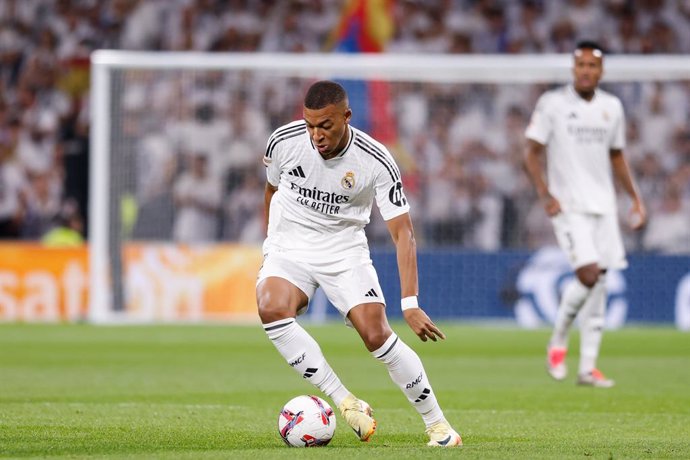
548, 68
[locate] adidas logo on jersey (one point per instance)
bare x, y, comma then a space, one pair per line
371, 293
298, 172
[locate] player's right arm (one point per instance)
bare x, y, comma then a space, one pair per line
538, 134
532, 161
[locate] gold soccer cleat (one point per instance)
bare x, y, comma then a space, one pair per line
357, 414
442, 435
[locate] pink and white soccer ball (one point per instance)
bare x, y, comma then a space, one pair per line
306, 421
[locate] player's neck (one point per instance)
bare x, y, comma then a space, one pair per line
586, 94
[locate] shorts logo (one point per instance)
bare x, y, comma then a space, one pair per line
348, 182
371, 293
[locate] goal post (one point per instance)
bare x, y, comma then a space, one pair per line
134, 94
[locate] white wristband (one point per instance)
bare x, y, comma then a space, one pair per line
409, 302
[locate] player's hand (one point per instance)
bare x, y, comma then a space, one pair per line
422, 325
551, 205
638, 215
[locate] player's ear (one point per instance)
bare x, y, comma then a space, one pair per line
348, 115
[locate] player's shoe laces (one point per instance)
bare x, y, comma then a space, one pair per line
357, 414
555, 362
595, 379
442, 435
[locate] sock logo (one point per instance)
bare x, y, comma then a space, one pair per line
414, 382
310, 372
298, 360
425, 394
371, 293
297, 172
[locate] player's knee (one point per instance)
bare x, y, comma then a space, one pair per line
374, 338
588, 275
270, 308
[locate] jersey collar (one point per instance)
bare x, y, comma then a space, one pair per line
351, 134
574, 94
351, 139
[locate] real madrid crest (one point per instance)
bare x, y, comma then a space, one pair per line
348, 181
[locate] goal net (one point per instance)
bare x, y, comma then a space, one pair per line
177, 180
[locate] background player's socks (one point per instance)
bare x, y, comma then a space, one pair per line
592, 321
304, 355
574, 298
407, 371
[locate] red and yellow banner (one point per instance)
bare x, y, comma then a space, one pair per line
163, 282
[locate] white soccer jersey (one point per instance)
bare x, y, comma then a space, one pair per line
322, 206
579, 135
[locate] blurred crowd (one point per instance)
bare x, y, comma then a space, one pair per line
189, 143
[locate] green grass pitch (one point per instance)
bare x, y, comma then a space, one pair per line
189, 392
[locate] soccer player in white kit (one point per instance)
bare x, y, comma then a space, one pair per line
323, 176
583, 130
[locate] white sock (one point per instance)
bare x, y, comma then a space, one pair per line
574, 298
304, 355
407, 371
592, 321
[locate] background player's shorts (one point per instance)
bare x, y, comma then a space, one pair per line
345, 288
590, 238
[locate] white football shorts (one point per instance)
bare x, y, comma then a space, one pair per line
590, 238
345, 287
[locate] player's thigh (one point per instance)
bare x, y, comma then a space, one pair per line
610, 242
575, 233
283, 286
356, 285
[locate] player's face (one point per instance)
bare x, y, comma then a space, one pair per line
587, 70
328, 128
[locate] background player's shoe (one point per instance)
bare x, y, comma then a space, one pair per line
555, 362
442, 435
357, 414
595, 379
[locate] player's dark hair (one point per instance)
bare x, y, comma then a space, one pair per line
323, 93
589, 45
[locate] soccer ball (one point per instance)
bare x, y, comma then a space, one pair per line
306, 421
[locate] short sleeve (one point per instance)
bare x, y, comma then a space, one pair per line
618, 132
271, 161
540, 125
390, 196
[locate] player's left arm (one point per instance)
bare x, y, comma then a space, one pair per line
621, 171
402, 232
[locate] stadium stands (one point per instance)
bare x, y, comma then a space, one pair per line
44, 114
